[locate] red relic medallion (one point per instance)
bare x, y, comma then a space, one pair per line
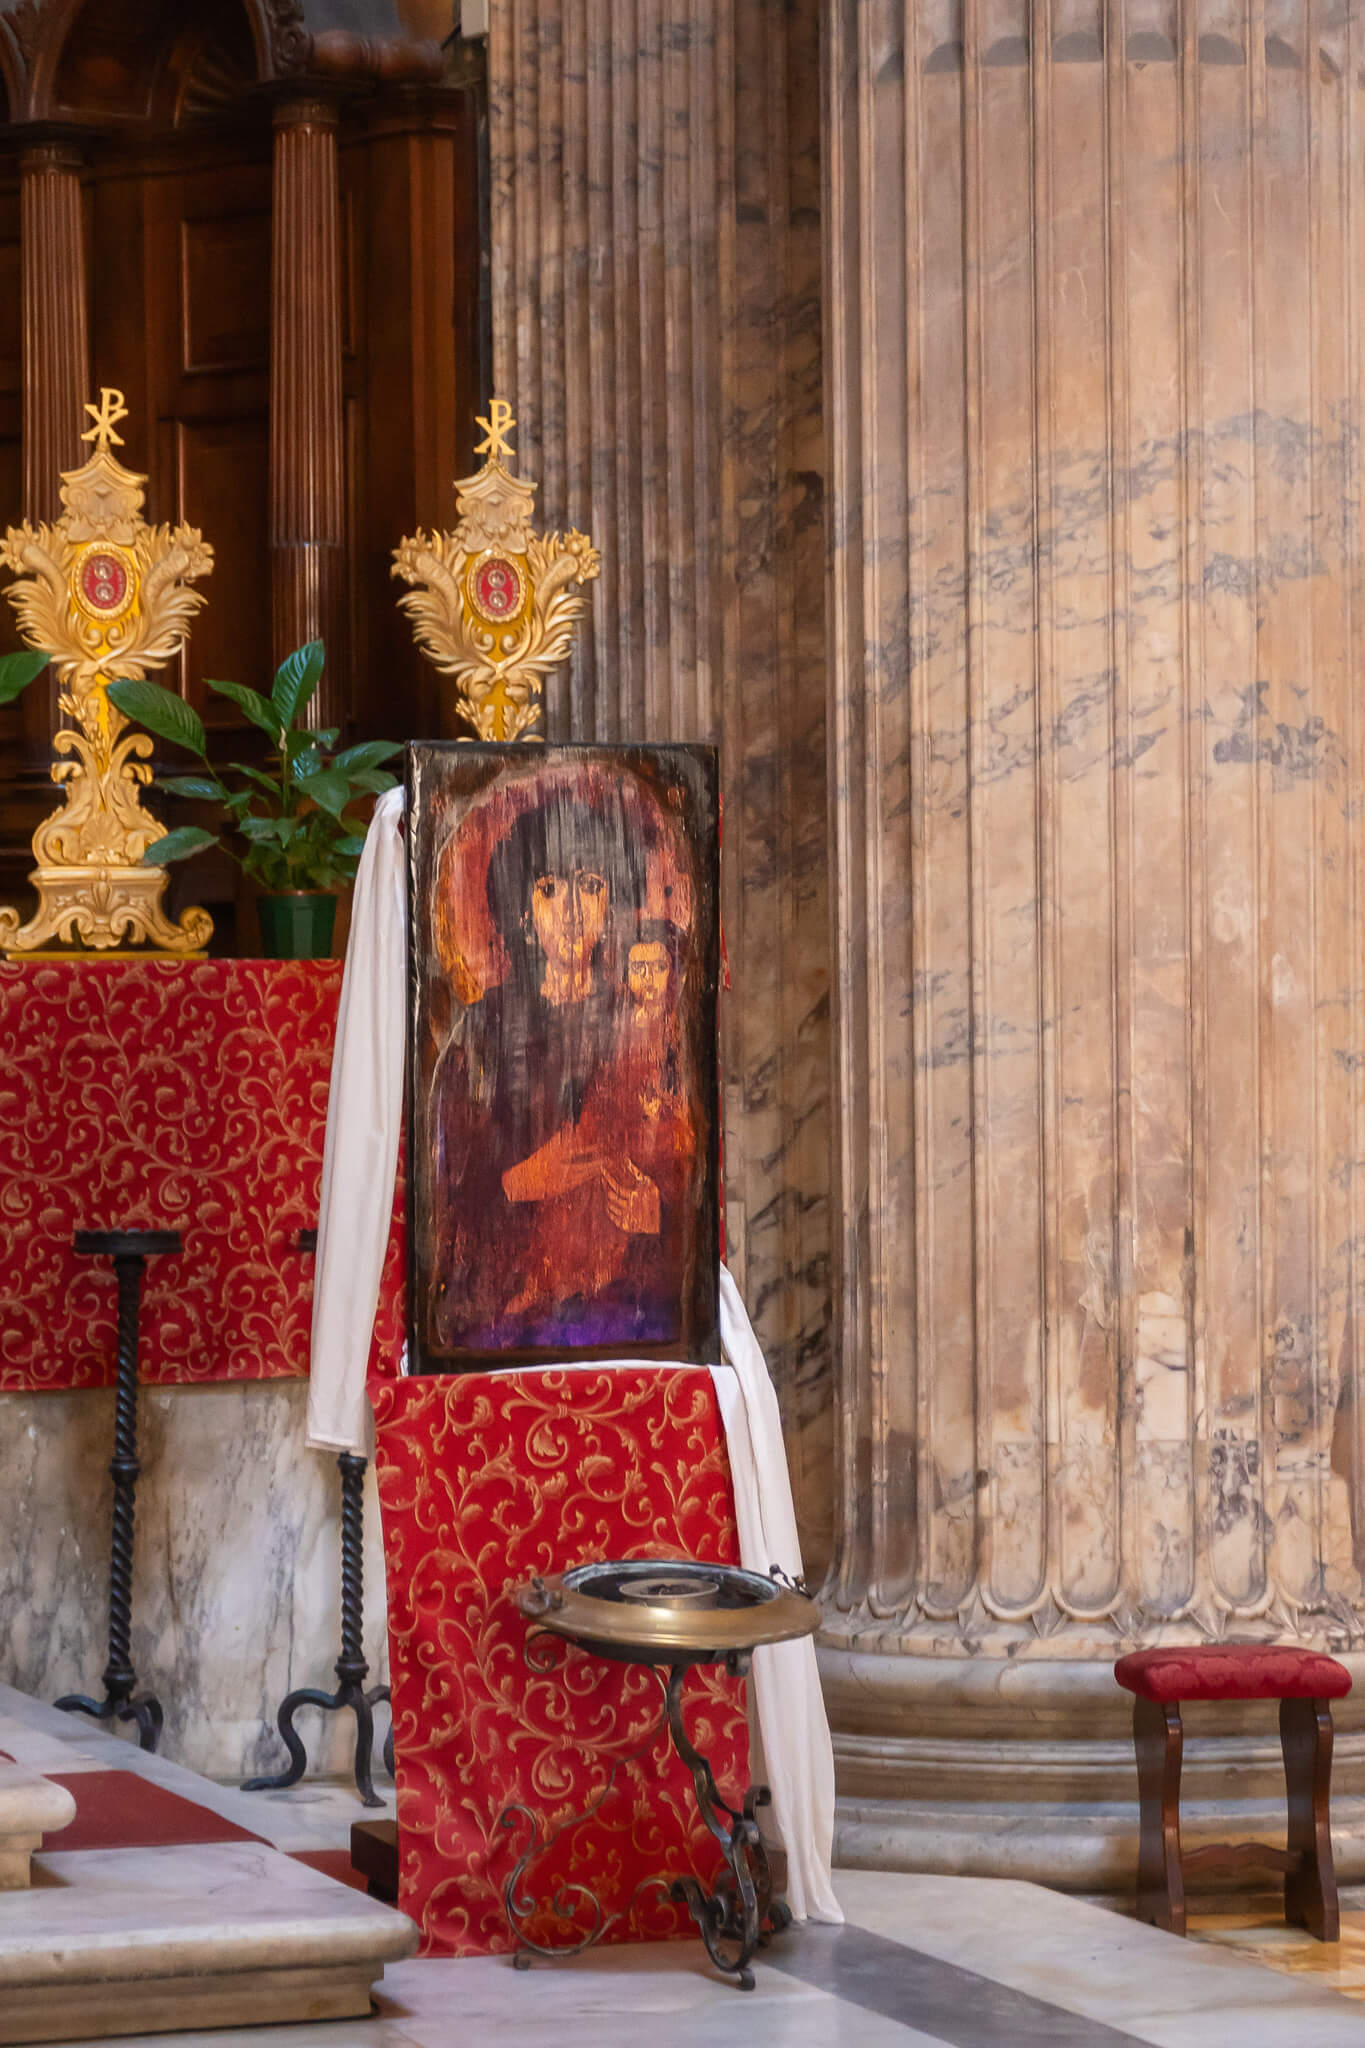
103, 580
496, 589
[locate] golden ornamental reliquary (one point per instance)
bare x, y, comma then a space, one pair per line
493, 603
107, 596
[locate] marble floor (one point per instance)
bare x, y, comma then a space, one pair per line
1254, 1930
955, 1963
959, 1962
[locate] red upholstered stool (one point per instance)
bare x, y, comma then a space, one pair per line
1305, 1683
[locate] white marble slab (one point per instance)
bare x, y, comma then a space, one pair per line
1081, 1960
237, 1578
1096, 1962
30, 1808
115, 1941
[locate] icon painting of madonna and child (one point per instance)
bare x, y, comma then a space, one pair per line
563, 1176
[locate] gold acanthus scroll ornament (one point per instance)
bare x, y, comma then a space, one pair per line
107, 596
491, 602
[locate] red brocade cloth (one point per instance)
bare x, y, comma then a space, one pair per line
166, 1095
484, 1480
1232, 1671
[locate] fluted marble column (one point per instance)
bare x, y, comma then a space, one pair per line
656, 275
1093, 287
307, 446
56, 358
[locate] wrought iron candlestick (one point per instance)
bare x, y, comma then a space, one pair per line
130, 1250
351, 1667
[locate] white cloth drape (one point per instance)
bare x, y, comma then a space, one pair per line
364, 1120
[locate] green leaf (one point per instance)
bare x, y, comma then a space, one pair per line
206, 787
17, 671
351, 847
296, 678
259, 828
257, 708
269, 783
161, 711
178, 845
309, 762
373, 781
368, 754
330, 790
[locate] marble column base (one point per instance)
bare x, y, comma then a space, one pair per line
1024, 1768
30, 1808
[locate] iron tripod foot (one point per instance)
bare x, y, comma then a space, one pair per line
143, 1709
130, 1250
734, 1919
351, 1668
740, 1913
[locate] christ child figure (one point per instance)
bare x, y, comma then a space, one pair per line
625, 1165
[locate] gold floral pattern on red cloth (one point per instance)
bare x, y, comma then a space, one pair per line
484, 1480
169, 1095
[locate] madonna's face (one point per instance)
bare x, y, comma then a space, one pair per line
569, 915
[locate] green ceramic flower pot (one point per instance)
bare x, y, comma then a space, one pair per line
297, 925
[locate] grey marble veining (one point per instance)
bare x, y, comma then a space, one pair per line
237, 1575
656, 236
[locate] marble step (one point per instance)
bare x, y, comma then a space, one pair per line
218, 1934
30, 1807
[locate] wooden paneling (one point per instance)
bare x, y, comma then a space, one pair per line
206, 342
222, 477
224, 292
179, 240
25, 792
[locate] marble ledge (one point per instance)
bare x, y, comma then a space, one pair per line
30, 1807
126, 1941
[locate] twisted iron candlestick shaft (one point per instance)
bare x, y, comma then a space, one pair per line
124, 1467
351, 1667
130, 1250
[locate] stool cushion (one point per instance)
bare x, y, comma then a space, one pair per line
1232, 1671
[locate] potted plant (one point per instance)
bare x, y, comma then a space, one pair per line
300, 846
17, 671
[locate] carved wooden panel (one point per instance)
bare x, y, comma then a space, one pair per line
225, 291
224, 465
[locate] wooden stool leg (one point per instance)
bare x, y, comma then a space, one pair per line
1158, 1740
1310, 1890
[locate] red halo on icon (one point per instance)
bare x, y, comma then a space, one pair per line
461, 924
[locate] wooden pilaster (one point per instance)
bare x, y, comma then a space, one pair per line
307, 454
56, 358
